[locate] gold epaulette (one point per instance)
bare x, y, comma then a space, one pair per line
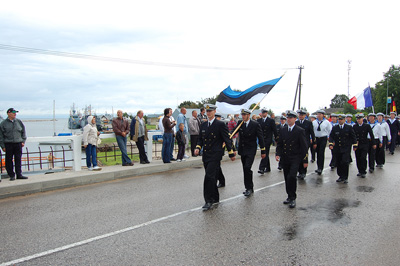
198, 147
230, 152
263, 149
330, 143
355, 145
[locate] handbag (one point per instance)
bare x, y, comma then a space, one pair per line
98, 141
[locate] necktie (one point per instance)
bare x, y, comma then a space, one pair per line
290, 130
209, 124
319, 125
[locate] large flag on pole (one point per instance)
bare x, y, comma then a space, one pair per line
393, 107
362, 100
231, 102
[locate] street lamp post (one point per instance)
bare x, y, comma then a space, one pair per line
387, 89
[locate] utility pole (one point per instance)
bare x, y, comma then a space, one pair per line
348, 78
298, 89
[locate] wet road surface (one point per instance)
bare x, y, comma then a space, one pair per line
157, 220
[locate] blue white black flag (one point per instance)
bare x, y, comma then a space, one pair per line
231, 102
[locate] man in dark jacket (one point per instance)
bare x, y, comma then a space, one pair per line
394, 126
249, 132
362, 131
213, 133
291, 150
268, 128
121, 130
138, 133
12, 139
341, 139
310, 136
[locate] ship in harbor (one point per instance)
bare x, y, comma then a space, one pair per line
78, 120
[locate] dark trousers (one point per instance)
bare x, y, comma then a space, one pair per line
312, 152
361, 159
13, 150
193, 143
392, 145
142, 152
264, 163
181, 151
91, 155
166, 148
333, 160
321, 145
303, 170
210, 189
290, 167
371, 155
247, 163
220, 176
342, 163
380, 152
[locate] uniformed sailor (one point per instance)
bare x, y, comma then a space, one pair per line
341, 139
310, 136
334, 122
362, 131
394, 131
312, 118
386, 139
291, 150
249, 132
376, 129
213, 134
279, 127
322, 129
268, 128
349, 121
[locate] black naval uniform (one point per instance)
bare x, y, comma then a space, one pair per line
394, 130
247, 150
309, 133
363, 144
211, 139
292, 148
342, 137
278, 129
268, 128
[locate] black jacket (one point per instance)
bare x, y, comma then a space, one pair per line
395, 127
362, 134
248, 138
292, 145
211, 139
342, 139
309, 130
180, 138
268, 129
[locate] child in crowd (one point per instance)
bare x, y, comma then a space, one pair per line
181, 140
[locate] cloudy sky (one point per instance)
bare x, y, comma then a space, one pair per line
241, 42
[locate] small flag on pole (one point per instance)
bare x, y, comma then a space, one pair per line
362, 100
231, 102
393, 107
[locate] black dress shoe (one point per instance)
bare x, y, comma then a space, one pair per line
359, 174
22, 177
147, 162
261, 172
292, 204
371, 170
12, 178
173, 159
363, 175
345, 181
332, 168
287, 201
312, 161
207, 206
142, 162
279, 168
248, 192
340, 180
267, 171
319, 171
221, 185
301, 177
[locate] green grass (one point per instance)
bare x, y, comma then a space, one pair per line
112, 161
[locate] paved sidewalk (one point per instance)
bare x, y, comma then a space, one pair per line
58, 180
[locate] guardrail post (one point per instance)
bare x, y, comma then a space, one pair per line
77, 150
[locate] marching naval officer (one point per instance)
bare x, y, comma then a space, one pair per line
376, 129
268, 128
394, 126
309, 132
341, 139
213, 133
249, 132
362, 131
220, 174
386, 139
334, 122
322, 129
291, 150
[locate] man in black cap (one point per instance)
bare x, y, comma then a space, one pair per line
249, 132
278, 129
268, 128
341, 139
322, 129
12, 139
362, 131
291, 150
309, 132
213, 133
394, 131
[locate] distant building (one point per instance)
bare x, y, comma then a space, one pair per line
152, 119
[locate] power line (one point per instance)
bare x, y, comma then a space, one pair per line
111, 59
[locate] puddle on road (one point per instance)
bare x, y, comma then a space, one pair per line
333, 210
365, 189
290, 232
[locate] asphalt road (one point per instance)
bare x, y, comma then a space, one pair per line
157, 220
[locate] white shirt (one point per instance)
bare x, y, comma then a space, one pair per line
385, 130
290, 128
325, 127
161, 127
376, 128
210, 121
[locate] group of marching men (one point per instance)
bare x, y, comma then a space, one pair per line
294, 136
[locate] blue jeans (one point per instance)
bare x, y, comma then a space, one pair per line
91, 155
166, 149
122, 147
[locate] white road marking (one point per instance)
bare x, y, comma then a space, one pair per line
90, 240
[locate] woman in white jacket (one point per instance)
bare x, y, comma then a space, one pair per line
90, 135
